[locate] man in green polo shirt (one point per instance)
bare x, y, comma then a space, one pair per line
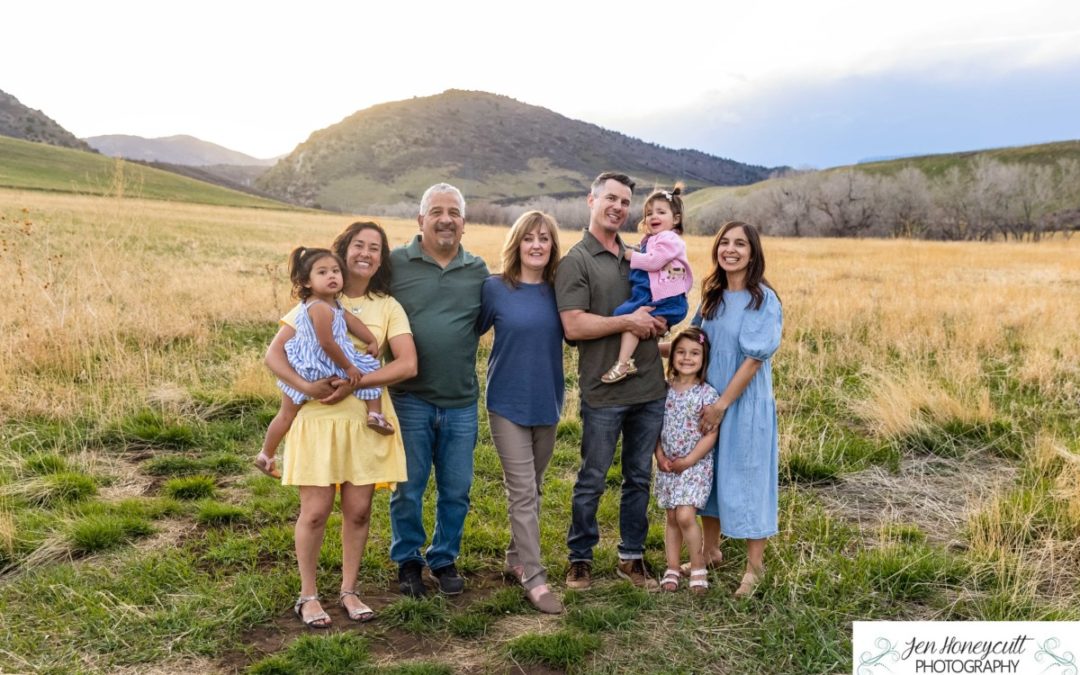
592, 280
438, 283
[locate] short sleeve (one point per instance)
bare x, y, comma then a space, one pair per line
397, 322
290, 317
572, 284
486, 320
759, 336
696, 321
708, 395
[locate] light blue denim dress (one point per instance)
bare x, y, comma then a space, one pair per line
744, 494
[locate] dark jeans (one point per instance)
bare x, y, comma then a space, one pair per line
640, 428
443, 439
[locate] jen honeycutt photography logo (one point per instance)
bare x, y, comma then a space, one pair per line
964, 647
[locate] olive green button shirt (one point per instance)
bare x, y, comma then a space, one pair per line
591, 278
443, 305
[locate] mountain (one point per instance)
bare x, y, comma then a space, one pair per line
18, 121
183, 150
492, 147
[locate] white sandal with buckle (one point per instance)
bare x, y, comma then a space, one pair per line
699, 581
670, 581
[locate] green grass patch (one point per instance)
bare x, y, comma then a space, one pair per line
92, 534
44, 463
219, 513
417, 616
318, 654
222, 464
599, 619
189, 488
562, 649
150, 429
421, 668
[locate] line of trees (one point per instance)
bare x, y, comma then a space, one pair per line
983, 200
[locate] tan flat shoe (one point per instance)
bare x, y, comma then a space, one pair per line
749, 584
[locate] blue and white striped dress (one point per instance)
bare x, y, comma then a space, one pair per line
310, 362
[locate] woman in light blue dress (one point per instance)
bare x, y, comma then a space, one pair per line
741, 314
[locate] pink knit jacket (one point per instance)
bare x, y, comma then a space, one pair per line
665, 261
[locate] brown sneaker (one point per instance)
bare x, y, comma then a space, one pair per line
636, 573
579, 576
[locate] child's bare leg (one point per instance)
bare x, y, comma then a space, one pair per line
673, 540
686, 517
627, 344
279, 426
375, 419
374, 406
710, 528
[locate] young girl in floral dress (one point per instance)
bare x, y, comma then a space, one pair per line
684, 457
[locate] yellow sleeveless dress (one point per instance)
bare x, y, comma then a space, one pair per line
331, 444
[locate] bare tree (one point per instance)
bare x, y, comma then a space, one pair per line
847, 201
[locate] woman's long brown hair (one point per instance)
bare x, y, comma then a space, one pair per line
714, 285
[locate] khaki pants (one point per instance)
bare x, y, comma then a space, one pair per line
525, 453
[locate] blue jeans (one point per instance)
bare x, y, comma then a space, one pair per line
443, 438
640, 428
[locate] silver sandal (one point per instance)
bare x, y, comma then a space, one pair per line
363, 613
320, 620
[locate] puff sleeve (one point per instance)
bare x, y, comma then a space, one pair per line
759, 336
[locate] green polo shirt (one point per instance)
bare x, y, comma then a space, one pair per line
593, 279
442, 304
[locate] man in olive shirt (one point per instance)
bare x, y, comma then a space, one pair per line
438, 283
592, 280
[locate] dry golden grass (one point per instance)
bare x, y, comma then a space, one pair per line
103, 288
114, 305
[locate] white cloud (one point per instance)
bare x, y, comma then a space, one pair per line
259, 77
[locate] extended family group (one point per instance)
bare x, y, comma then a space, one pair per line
377, 367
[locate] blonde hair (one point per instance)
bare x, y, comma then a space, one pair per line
511, 253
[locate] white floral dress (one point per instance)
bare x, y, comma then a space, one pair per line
678, 438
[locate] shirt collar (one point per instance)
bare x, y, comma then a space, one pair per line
594, 247
416, 252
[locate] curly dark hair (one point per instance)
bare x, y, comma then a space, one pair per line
380, 281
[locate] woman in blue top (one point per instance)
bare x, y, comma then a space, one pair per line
525, 386
742, 316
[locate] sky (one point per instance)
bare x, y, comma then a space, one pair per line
805, 84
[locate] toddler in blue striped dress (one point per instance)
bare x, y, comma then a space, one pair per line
321, 347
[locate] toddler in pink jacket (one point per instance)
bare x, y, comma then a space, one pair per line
659, 274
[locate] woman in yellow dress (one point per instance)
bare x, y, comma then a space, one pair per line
330, 444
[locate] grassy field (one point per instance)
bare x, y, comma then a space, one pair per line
930, 465
38, 166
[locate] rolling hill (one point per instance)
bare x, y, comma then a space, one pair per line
37, 166
934, 166
492, 147
19, 121
183, 150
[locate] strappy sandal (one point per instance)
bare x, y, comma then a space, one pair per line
749, 583
363, 613
320, 620
265, 463
619, 372
378, 423
699, 581
670, 581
